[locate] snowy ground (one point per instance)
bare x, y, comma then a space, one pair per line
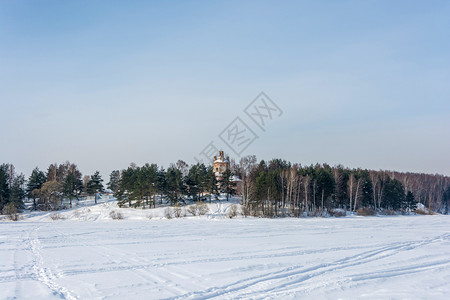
205, 257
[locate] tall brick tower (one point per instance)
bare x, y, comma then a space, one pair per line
221, 164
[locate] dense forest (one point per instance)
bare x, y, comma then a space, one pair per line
279, 187
273, 188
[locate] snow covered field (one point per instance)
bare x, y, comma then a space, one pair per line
203, 257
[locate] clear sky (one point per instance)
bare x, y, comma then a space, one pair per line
106, 83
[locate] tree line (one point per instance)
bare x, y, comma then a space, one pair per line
47, 190
273, 188
278, 187
134, 187
149, 184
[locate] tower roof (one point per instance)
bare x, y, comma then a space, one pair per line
221, 158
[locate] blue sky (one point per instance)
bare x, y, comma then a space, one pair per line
106, 83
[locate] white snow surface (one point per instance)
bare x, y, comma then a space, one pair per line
90, 256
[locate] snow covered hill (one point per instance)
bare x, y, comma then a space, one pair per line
86, 210
212, 256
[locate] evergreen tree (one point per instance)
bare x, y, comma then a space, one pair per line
273, 191
445, 200
35, 182
114, 179
260, 194
410, 203
325, 184
12, 187
72, 183
4, 186
226, 184
95, 185
341, 192
211, 184
393, 194
127, 183
18, 192
175, 186
196, 180
161, 183
366, 189
147, 184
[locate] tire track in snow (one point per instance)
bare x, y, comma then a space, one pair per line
298, 275
355, 260
147, 272
147, 264
44, 274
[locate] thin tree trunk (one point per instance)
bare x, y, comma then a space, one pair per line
322, 198
356, 194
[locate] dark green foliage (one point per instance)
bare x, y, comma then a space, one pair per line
341, 176
71, 184
114, 180
4, 185
260, 186
274, 188
175, 184
12, 187
445, 200
267, 186
35, 182
393, 195
325, 185
126, 186
196, 181
278, 186
211, 184
95, 185
226, 184
139, 186
18, 192
278, 164
161, 183
366, 189
410, 203
147, 184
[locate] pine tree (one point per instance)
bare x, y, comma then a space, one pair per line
114, 179
211, 184
18, 192
393, 194
147, 184
161, 183
95, 185
35, 182
175, 185
127, 183
366, 189
4, 186
226, 184
445, 200
12, 187
195, 180
325, 184
72, 183
409, 203
341, 177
